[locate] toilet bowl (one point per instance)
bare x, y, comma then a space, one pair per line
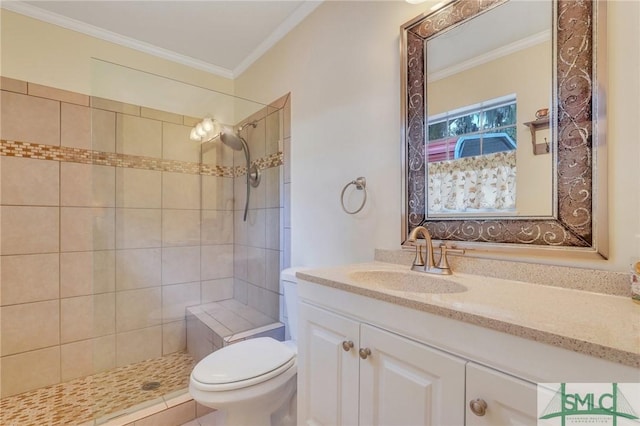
253, 382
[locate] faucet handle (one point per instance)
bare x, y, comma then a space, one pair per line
444, 263
418, 260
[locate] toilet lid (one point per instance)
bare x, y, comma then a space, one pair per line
243, 361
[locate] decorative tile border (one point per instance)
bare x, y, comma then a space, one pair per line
85, 156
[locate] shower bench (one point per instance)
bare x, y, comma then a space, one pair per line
214, 325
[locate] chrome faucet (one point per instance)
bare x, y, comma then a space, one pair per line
429, 266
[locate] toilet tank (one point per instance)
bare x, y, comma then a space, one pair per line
289, 284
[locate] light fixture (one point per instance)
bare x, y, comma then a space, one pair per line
205, 130
415, 1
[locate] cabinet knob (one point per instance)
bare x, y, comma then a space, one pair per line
364, 353
347, 345
478, 407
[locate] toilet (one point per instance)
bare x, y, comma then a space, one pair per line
253, 382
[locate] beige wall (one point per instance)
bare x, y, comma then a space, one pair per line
342, 68
43, 53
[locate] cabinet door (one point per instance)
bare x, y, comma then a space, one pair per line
404, 382
327, 373
509, 401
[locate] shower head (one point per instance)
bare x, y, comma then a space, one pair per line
232, 140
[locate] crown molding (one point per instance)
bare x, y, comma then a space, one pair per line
102, 34
516, 46
283, 29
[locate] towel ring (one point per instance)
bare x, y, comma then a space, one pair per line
361, 184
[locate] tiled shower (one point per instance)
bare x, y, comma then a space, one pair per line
113, 222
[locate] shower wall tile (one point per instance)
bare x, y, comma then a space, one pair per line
271, 179
57, 94
86, 229
160, 115
86, 185
240, 229
13, 85
138, 268
75, 126
115, 106
174, 337
287, 160
257, 196
27, 230
103, 131
176, 298
272, 228
180, 191
287, 247
136, 188
138, 136
217, 262
29, 370
176, 144
85, 317
273, 132
27, 181
216, 290
217, 227
272, 268
240, 290
29, 119
240, 256
256, 228
217, 193
287, 202
263, 300
136, 309
86, 273
29, 326
239, 192
180, 227
138, 228
256, 138
216, 153
138, 345
79, 359
256, 266
180, 265
29, 278
136, 247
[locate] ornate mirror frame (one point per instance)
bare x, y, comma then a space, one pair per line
579, 220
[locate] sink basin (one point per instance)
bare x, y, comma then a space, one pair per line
409, 281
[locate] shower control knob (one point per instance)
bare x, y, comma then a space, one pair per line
478, 407
347, 345
364, 353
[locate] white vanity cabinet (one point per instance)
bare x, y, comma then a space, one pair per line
352, 373
497, 399
421, 368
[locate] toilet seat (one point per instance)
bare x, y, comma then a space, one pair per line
243, 364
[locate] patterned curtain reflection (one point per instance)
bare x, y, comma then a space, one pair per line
482, 183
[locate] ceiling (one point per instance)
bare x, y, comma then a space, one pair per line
222, 37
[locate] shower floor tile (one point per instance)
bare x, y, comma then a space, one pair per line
82, 400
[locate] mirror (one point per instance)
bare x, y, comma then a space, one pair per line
501, 135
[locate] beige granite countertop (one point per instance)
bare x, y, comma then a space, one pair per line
600, 325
